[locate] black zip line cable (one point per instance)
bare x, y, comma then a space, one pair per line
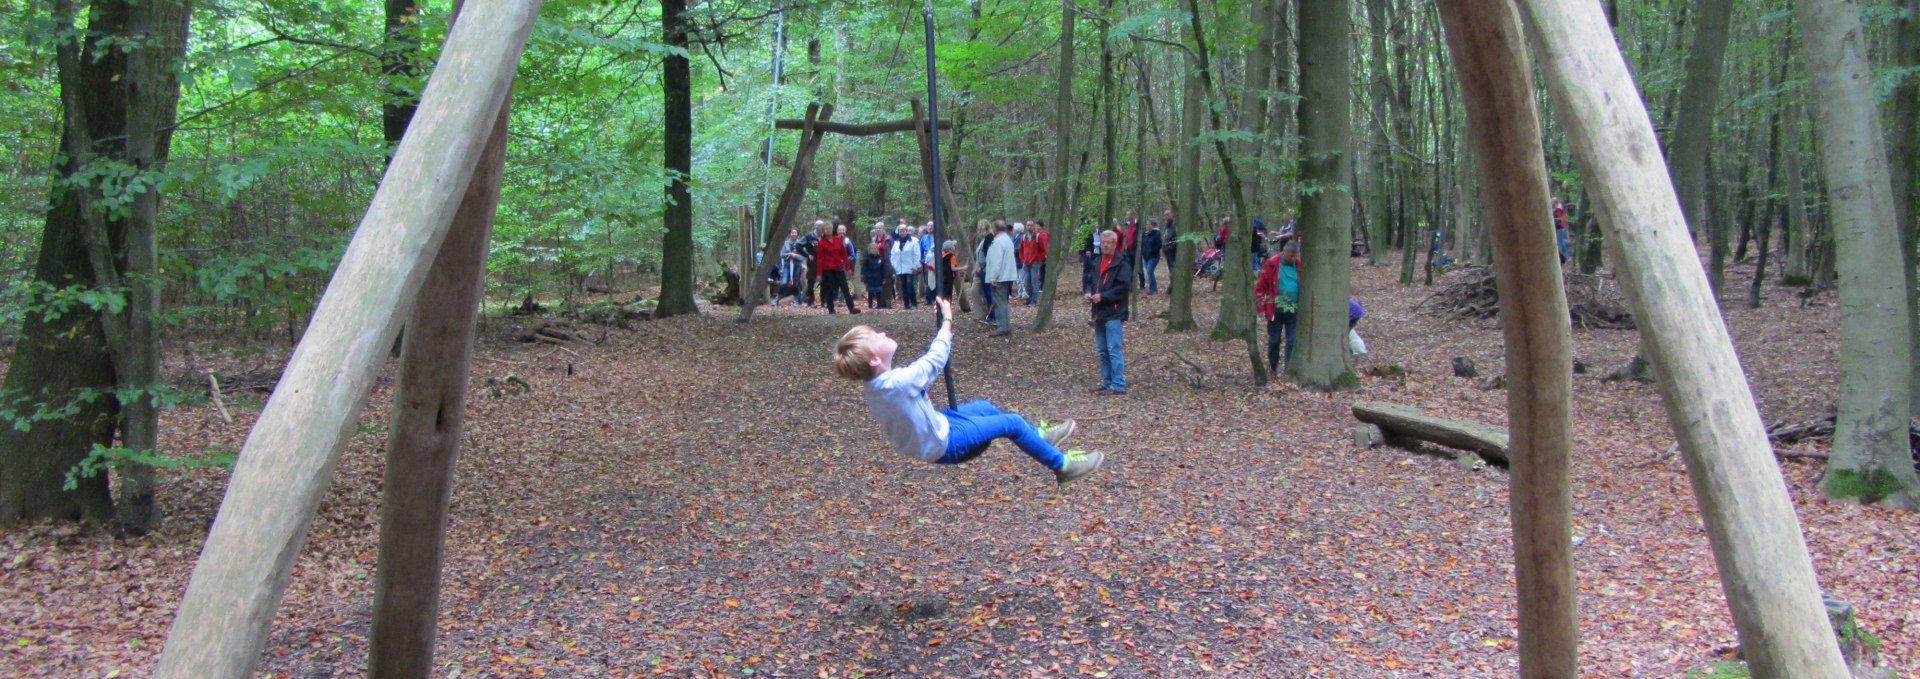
941, 282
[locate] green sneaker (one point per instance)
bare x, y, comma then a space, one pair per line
1079, 463
1056, 434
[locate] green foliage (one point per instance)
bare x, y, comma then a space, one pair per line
1868, 487
21, 411
1724, 669
104, 458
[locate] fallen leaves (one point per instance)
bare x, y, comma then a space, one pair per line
698, 498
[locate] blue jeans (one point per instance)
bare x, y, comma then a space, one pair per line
1152, 277
907, 295
1560, 236
974, 425
1113, 363
1036, 278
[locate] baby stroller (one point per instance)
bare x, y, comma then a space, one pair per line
1208, 266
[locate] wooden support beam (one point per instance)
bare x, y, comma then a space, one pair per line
1765, 569
288, 461
1489, 53
935, 180
852, 130
1407, 422
790, 197
424, 440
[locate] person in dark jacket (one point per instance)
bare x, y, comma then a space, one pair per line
874, 272
1150, 246
1111, 280
809, 250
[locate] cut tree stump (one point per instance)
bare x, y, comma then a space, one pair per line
1405, 422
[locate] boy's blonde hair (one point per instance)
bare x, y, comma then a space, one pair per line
851, 357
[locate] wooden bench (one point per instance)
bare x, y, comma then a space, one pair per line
1403, 423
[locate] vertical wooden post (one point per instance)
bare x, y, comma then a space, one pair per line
1764, 567
743, 260
1496, 77
428, 409
288, 461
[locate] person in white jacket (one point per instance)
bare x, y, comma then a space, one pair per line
1002, 271
905, 258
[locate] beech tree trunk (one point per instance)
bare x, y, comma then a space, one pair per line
1321, 360
1693, 132
1797, 241
676, 247
1379, 235
1903, 150
1059, 220
60, 357
1187, 207
1236, 302
152, 96
1765, 570
1870, 445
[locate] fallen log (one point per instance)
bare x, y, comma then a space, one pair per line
1405, 422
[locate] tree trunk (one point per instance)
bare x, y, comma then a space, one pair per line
61, 355
1236, 303
1321, 360
1870, 446
1903, 154
1765, 570
1109, 107
1795, 241
1060, 228
153, 96
1378, 226
1775, 207
676, 247
1693, 138
1187, 207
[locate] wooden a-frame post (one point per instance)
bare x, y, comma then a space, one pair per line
1490, 55
1764, 566
288, 461
813, 129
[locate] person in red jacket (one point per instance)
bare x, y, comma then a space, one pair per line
835, 253
1033, 253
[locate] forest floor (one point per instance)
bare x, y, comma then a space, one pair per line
694, 497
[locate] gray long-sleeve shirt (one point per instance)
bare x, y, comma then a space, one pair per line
898, 399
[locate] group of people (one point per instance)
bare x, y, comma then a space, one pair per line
818, 267
1009, 263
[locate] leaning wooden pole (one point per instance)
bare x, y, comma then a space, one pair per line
428, 412
790, 198
288, 461
1764, 567
1490, 54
